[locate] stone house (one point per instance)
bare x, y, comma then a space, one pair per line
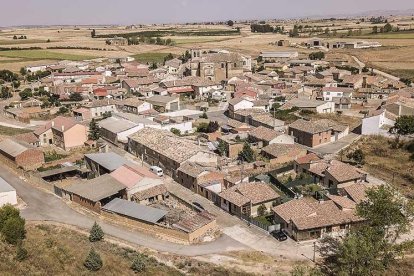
22, 154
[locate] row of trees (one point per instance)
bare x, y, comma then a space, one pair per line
266, 28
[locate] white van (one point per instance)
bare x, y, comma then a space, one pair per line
157, 170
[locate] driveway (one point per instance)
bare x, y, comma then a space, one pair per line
335, 147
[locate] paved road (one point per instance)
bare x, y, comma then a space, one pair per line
42, 206
376, 71
335, 147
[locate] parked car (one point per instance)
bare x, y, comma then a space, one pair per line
198, 205
157, 170
279, 235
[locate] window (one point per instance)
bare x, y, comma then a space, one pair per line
222, 65
342, 226
329, 229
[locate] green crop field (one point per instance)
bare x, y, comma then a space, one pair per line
150, 57
42, 54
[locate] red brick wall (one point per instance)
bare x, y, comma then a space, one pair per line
310, 140
30, 159
94, 206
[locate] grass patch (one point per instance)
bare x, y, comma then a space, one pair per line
42, 55
265, 220
401, 73
54, 250
175, 32
393, 165
10, 131
53, 156
150, 57
21, 41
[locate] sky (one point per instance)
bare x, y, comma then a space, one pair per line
84, 12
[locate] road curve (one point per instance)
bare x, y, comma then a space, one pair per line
43, 206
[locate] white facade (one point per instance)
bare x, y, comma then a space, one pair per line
244, 104
7, 193
373, 125
100, 110
327, 107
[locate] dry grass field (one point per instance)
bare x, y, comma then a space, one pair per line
395, 57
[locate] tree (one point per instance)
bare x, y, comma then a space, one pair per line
230, 23
25, 94
404, 125
294, 32
62, 110
93, 261
221, 148
176, 131
357, 156
96, 233
387, 28
247, 154
93, 33
213, 127
75, 97
317, 55
13, 230
375, 29
138, 264
23, 71
371, 248
15, 37
261, 210
6, 212
93, 130
5, 93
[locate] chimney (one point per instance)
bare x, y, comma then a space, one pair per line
364, 82
53, 123
63, 128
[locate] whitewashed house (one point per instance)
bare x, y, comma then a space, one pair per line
7, 193
377, 123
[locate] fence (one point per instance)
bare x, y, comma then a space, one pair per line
256, 223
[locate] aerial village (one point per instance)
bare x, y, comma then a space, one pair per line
208, 140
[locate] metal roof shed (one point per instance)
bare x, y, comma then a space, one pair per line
135, 211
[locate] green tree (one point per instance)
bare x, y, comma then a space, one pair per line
371, 248
247, 154
261, 210
94, 130
375, 29
230, 23
176, 131
93, 261
357, 156
23, 71
93, 33
404, 125
75, 97
96, 233
138, 264
7, 212
13, 230
387, 28
62, 110
317, 55
25, 94
221, 148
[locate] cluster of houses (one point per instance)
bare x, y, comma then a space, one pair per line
154, 113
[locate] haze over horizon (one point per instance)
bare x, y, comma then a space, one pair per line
97, 12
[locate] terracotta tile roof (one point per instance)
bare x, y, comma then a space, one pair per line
131, 175
308, 213
29, 138
318, 126
356, 192
166, 143
342, 202
264, 133
343, 172
57, 124
151, 192
308, 158
292, 150
191, 224
243, 193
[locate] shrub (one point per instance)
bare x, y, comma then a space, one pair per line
261, 211
13, 230
6, 212
138, 264
176, 131
96, 233
93, 261
21, 252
